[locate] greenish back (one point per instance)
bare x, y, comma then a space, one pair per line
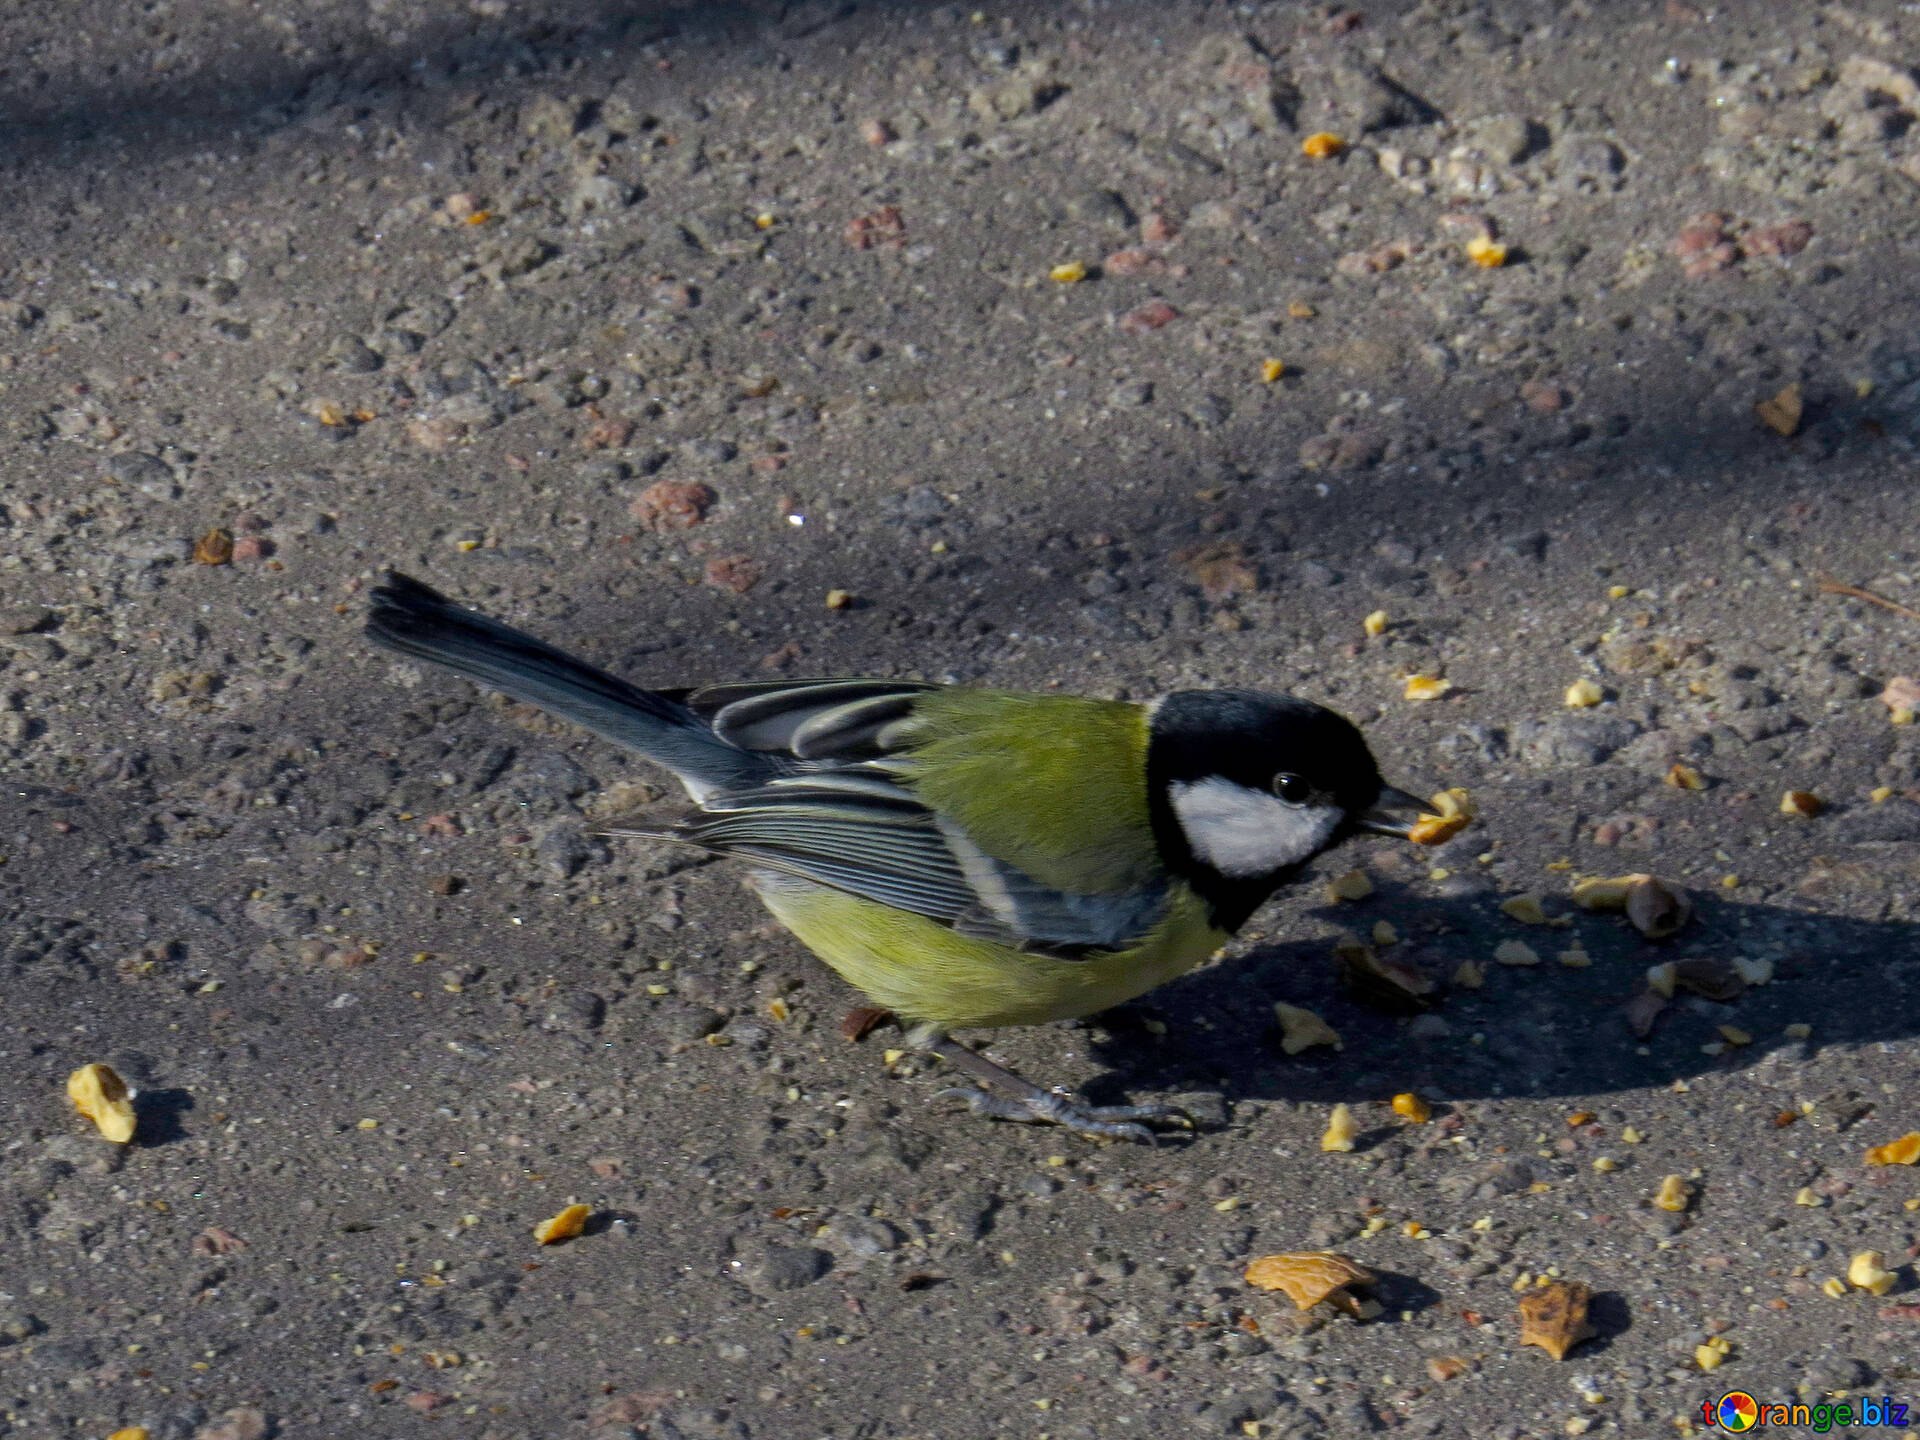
1055, 785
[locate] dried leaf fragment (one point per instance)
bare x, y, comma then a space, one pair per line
1309, 1276
1868, 1271
1801, 802
1712, 1353
1322, 145
1271, 370
859, 1023
1398, 987
1709, 978
214, 548
1781, 413
1644, 1010
1302, 1029
1657, 909
1341, 1130
1071, 273
1426, 687
1375, 624
98, 1092
1554, 1317
1904, 1151
1411, 1108
567, 1225
1685, 777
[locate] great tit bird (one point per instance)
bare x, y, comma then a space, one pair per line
968, 857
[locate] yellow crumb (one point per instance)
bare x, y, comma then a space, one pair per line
1583, 695
1488, 254
569, 1223
1409, 1106
1341, 1130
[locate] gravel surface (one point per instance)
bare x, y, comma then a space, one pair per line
652, 326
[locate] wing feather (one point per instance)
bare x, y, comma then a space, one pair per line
814, 719
857, 831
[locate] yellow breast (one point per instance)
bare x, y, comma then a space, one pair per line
922, 971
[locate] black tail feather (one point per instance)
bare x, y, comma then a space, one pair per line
417, 621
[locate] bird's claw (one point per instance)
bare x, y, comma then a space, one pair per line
1056, 1107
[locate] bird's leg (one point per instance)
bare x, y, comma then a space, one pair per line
1023, 1101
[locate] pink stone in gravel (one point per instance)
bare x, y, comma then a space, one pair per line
1789, 237
1700, 234
738, 573
1150, 316
1543, 397
1704, 246
671, 505
243, 1422
1132, 261
883, 227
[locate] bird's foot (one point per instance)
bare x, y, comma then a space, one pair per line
1057, 1107
1026, 1103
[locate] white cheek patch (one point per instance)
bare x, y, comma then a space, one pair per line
1243, 832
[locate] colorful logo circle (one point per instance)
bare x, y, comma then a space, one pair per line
1737, 1412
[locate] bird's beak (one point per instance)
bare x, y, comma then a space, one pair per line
1393, 813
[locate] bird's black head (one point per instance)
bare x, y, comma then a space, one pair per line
1246, 788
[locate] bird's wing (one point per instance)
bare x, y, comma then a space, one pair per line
832, 720
857, 830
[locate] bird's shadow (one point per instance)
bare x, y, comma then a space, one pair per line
1402, 1294
159, 1113
1540, 1030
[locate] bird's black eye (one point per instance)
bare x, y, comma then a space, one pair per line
1292, 789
